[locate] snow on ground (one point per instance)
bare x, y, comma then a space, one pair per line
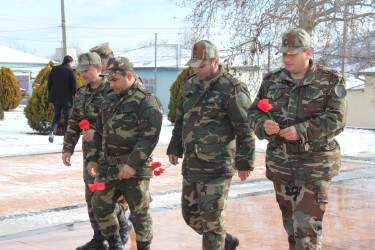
17, 138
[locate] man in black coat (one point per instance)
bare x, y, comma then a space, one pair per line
62, 86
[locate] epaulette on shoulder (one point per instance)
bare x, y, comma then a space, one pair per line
83, 86
234, 81
191, 76
275, 71
144, 90
329, 70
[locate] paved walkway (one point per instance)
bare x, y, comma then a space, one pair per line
42, 207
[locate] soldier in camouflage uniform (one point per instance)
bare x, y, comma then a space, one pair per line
213, 133
105, 52
309, 108
127, 131
87, 102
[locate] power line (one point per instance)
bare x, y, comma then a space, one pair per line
33, 40
30, 29
28, 17
127, 28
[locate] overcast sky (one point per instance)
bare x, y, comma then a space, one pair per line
34, 26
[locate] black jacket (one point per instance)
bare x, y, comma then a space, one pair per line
62, 85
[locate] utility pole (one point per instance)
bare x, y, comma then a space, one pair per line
156, 69
269, 57
345, 43
63, 28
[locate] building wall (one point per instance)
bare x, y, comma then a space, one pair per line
251, 76
361, 105
164, 81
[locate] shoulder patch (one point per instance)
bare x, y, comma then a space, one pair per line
243, 98
275, 71
340, 91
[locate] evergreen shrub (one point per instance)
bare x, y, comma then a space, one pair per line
38, 111
1, 113
10, 91
176, 90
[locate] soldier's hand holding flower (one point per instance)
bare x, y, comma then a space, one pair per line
271, 127
88, 135
126, 172
290, 134
92, 168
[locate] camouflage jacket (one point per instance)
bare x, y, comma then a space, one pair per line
316, 106
86, 107
127, 130
212, 128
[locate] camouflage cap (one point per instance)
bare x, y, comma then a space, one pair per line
87, 59
293, 40
116, 65
102, 49
201, 51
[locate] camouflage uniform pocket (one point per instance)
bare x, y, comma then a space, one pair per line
215, 156
320, 165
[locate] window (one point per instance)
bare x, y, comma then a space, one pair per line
149, 84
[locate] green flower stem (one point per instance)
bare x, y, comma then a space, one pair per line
270, 115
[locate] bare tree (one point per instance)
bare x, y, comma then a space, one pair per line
254, 26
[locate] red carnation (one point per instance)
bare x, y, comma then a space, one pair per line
159, 172
99, 186
84, 124
92, 187
155, 165
265, 106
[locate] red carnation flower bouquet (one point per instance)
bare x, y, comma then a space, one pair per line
265, 106
100, 186
158, 170
84, 125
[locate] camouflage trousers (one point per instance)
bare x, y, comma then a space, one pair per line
88, 179
302, 210
203, 205
136, 192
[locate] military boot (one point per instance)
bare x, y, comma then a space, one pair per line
231, 242
143, 247
98, 242
125, 227
115, 242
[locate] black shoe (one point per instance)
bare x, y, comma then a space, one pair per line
115, 242
143, 247
98, 242
125, 228
231, 242
50, 138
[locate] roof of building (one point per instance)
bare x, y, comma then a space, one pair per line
368, 71
11, 56
168, 56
